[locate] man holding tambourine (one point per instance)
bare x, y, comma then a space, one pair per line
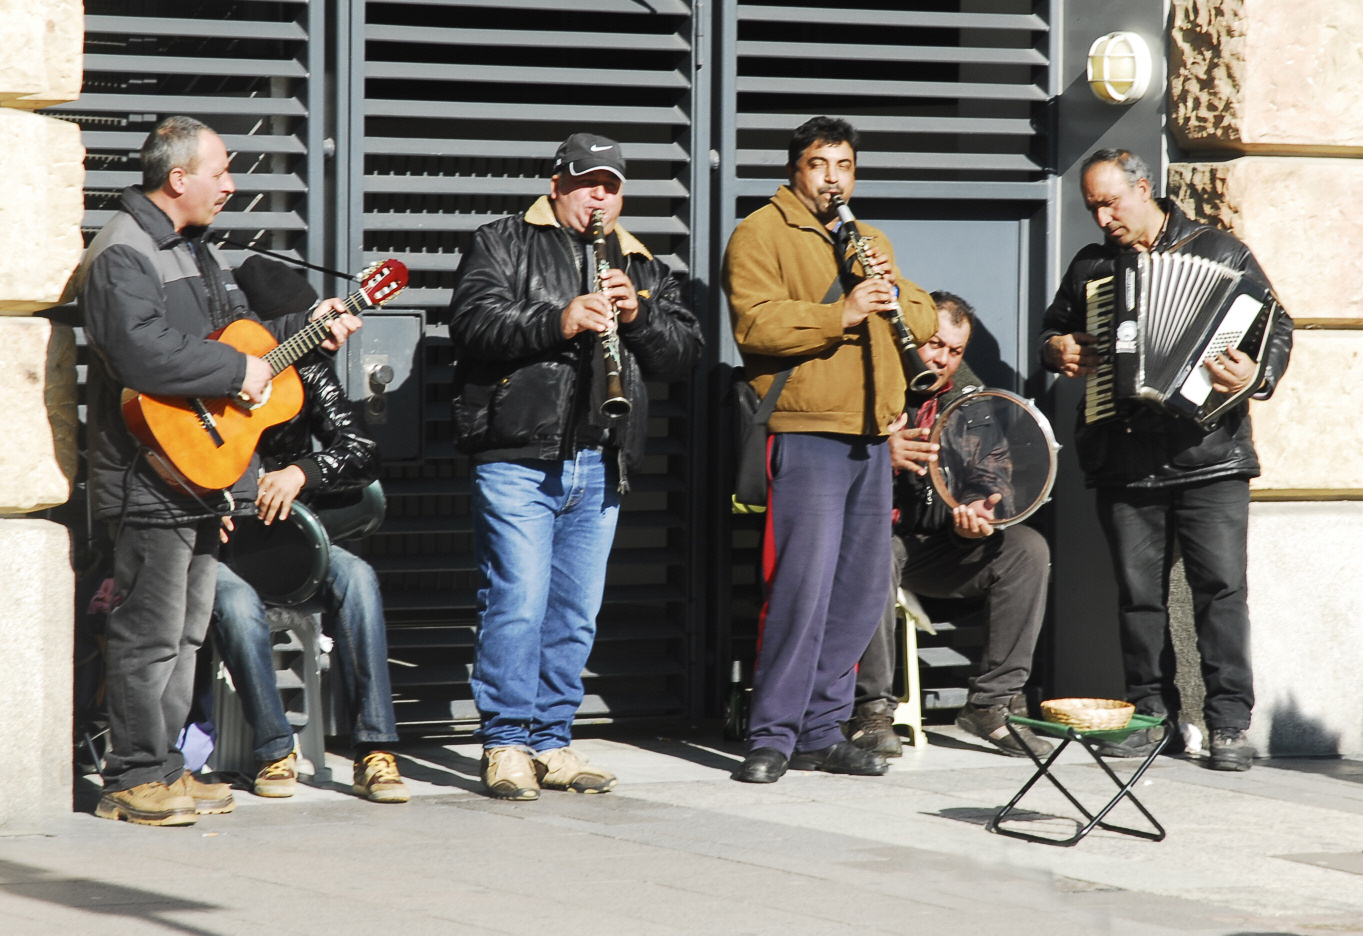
949, 540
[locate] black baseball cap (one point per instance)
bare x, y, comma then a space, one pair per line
586, 152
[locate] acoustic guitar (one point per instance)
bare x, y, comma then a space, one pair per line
204, 445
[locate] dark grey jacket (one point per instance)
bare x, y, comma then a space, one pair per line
150, 296
1149, 448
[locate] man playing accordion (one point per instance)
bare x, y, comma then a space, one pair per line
1161, 477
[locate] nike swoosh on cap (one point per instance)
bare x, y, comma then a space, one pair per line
597, 149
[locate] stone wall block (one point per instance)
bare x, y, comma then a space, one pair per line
38, 383
1298, 217
1303, 568
43, 52
1304, 434
1267, 75
36, 617
42, 173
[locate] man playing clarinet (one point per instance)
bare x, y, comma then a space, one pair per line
795, 306
1162, 479
532, 318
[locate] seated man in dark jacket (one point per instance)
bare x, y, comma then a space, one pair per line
1161, 476
958, 554
528, 321
347, 461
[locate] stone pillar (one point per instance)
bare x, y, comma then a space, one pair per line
1266, 96
41, 205
35, 673
38, 383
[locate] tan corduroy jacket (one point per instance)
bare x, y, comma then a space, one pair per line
777, 270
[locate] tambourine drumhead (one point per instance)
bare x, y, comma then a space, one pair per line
284, 562
994, 442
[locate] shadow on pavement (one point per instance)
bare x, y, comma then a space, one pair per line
92, 896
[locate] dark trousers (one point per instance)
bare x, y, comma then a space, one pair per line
166, 577
1010, 568
826, 558
1211, 522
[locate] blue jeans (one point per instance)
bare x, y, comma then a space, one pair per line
542, 532
354, 608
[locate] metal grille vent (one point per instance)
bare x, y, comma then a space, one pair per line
243, 68
942, 92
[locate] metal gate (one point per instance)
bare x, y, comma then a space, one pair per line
367, 130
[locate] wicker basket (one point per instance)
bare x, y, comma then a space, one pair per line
1088, 714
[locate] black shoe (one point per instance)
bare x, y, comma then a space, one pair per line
764, 765
1137, 744
990, 722
872, 728
1230, 750
843, 757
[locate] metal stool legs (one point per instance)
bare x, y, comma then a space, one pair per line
909, 711
1125, 791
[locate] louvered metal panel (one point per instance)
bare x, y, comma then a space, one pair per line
456, 109
244, 69
939, 96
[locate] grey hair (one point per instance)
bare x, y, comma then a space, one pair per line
174, 142
959, 312
1132, 166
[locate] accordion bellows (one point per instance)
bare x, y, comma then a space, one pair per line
1157, 319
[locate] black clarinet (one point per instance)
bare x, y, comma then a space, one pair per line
616, 404
920, 378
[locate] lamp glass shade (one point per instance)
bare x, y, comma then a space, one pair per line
1119, 67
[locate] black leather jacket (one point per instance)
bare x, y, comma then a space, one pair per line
1149, 448
348, 459
520, 389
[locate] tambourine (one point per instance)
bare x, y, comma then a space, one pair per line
994, 442
284, 562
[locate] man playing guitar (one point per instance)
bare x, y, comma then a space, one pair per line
151, 288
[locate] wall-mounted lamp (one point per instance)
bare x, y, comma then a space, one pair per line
1119, 67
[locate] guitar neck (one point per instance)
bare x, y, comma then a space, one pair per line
312, 334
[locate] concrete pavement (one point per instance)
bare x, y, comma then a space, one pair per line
681, 848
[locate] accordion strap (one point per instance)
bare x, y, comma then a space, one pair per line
1183, 243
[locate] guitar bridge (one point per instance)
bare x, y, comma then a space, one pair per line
210, 425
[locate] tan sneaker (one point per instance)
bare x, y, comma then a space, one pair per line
377, 779
564, 769
508, 773
209, 798
278, 778
148, 804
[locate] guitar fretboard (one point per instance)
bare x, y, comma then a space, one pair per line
312, 335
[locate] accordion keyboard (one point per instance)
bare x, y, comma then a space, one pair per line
1099, 395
